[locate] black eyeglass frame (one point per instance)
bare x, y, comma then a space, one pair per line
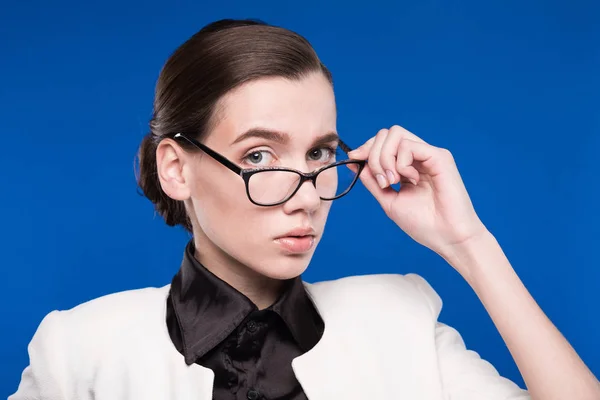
246, 173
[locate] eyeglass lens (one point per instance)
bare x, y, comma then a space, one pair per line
271, 187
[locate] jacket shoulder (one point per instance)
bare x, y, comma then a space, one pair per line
120, 317
381, 291
75, 342
121, 308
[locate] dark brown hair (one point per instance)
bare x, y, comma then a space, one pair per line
220, 57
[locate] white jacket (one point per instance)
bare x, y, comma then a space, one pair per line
382, 340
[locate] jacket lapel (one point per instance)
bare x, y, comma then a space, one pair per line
326, 372
332, 369
199, 386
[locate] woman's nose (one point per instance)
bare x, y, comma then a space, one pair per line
305, 198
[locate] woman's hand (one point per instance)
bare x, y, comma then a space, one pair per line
432, 205
436, 211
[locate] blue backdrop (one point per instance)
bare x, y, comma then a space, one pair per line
512, 89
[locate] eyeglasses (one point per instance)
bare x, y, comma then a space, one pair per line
272, 186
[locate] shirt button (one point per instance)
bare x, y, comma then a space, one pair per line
251, 326
253, 395
232, 381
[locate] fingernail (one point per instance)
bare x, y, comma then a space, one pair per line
414, 182
381, 180
390, 176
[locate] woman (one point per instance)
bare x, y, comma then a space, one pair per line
237, 322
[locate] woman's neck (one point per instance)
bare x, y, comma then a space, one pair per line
261, 290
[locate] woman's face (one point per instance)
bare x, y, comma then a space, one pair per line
230, 229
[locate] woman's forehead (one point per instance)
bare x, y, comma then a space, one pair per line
296, 109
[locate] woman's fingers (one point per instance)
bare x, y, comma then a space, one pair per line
374, 159
392, 154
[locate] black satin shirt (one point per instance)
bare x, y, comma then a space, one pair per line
249, 350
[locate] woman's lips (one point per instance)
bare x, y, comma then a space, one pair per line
296, 244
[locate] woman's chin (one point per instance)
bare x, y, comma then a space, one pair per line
287, 268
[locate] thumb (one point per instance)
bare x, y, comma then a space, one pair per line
362, 152
383, 196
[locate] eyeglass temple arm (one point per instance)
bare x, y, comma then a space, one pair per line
344, 146
211, 153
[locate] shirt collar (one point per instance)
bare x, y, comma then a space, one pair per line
208, 309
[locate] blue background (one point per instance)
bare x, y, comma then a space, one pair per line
511, 89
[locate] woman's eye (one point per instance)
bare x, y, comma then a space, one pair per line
259, 158
322, 154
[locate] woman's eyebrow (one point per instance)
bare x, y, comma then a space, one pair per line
281, 137
327, 138
274, 136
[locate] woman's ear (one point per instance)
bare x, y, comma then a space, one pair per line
170, 163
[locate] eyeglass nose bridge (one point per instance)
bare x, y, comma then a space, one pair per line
304, 177
310, 176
